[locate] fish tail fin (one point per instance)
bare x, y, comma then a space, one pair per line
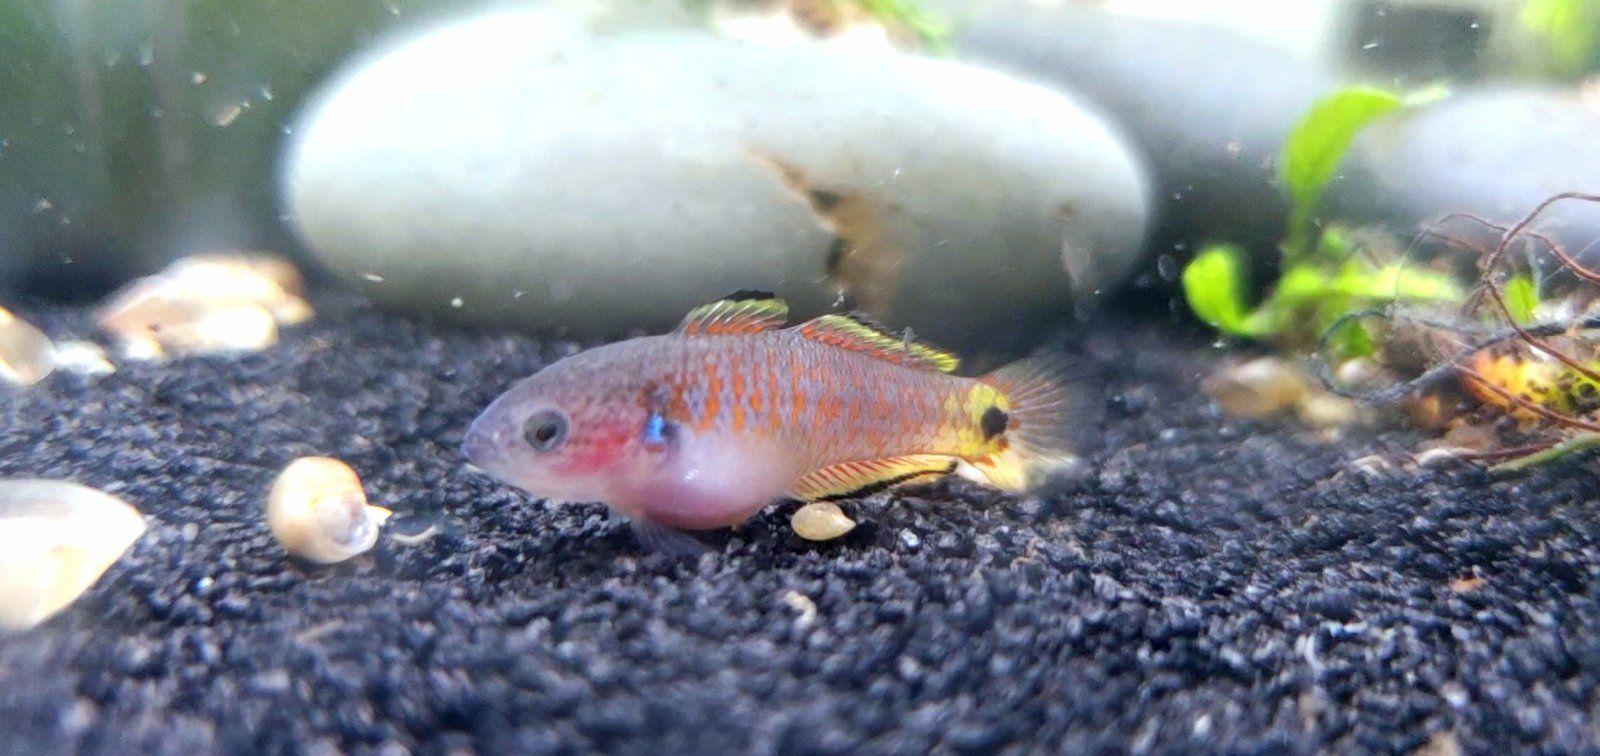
1052, 414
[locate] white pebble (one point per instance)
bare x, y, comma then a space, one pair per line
83, 358
1328, 411
1441, 456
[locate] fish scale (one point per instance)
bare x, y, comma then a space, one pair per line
881, 395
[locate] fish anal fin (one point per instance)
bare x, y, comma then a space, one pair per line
848, 480
739, 312
859, 333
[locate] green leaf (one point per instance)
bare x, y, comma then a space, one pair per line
1570, 30
1214, 282
927, 25
1304, 284
1314, 149
1522, 298
1335, 243
1352, 340
1399, 282
1317, 143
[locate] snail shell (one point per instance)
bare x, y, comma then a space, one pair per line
821, 521
56, 539
319, 512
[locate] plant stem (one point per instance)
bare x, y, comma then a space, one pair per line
1575, 444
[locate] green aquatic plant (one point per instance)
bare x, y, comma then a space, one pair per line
1570, 31
1321, 278
1522, 298
929, 27
1315, 148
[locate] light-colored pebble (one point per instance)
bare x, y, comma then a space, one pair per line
318, 511
803, 605
1360, 372
272, 282
1471, 436
1441, 456
1328, 411
201, 305
56, 539
1428, 412
26, 354
1259, 388
83, 358
1373, 466
241, 327
821, 521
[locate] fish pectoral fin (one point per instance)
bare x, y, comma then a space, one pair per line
848, 480
656, 538
739, 312
859, 333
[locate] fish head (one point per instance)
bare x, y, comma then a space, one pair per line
564, 433
595, 427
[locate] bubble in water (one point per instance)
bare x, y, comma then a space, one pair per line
1167, 266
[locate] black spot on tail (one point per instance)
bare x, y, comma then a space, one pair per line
993, 422
743, 295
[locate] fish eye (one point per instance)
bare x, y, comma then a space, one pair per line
545, 430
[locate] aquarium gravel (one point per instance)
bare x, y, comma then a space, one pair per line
1211, 584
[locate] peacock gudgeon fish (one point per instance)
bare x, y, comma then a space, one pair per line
702, 427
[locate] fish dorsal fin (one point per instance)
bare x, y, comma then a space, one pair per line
848, 480
739, 312
859, 333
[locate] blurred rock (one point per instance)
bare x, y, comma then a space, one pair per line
134, 133
1261, 387
1495, 153
84, 358
206, 304
56, 539
510, 170
1208, 106
26, 355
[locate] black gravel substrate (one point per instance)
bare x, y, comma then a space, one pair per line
1215, 585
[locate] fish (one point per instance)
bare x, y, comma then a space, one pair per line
702, 427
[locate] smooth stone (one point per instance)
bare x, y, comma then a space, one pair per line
1209, 107
1495, 153
508, 170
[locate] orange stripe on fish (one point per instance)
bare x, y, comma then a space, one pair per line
713, 402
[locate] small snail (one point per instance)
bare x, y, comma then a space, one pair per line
319, 512
821, 521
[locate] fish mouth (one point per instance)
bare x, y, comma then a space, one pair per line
483, 441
